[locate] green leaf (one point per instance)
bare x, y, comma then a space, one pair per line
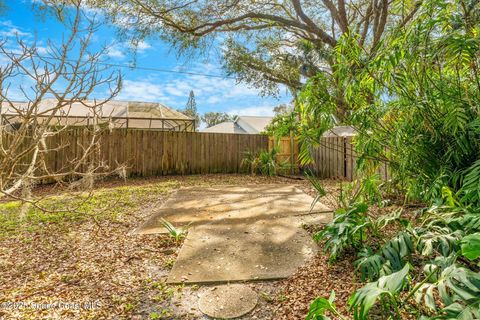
462, 312
389, 286
455, 285
319, 306
471, 246
370, 264
396, 249
315, 182
176, 233
347, 229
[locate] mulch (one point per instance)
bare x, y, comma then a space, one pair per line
318, 279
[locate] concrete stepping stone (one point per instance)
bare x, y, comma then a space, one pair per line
241, 251
200, 205
240, 233
228, 301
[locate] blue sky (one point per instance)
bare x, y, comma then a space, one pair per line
212, 94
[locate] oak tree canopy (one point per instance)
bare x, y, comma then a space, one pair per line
265, 43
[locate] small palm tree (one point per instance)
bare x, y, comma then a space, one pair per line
268, 162
250, 161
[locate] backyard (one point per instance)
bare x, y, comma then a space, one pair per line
330, 171
90, 256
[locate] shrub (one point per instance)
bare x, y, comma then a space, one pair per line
265, 162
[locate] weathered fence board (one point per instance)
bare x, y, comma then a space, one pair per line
335, 158
287, 152
148, 153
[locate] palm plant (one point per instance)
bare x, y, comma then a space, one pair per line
250, 161
267, 162
317, 186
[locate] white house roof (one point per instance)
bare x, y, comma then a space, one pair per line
87, 108
254, 124
225, 127
340, 131
243, 124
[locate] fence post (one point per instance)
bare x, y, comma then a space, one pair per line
292, 154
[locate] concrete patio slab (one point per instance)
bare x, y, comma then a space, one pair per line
245, 250
228, 301
199, 205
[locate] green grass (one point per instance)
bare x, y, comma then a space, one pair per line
109, 203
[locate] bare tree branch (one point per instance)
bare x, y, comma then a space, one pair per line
58, 84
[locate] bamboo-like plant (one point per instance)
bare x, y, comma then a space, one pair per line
176, 233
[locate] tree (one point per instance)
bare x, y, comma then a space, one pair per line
213, 118
66, 73
281, 109
191, 109
267, 43
283, 124
417, 102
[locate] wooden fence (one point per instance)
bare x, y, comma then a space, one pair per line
288, 150
330, 159
335, 158
149, 153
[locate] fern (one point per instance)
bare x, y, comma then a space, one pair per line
471, 184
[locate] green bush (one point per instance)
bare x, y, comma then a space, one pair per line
265, 162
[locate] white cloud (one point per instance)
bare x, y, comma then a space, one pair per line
115, 51
142, 91
13, 32
240, 90
174, 91
213, 100
9, 30
142, 46
42, 50
219, 87
121, 50
211, 93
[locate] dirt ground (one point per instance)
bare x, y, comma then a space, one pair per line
86, 266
